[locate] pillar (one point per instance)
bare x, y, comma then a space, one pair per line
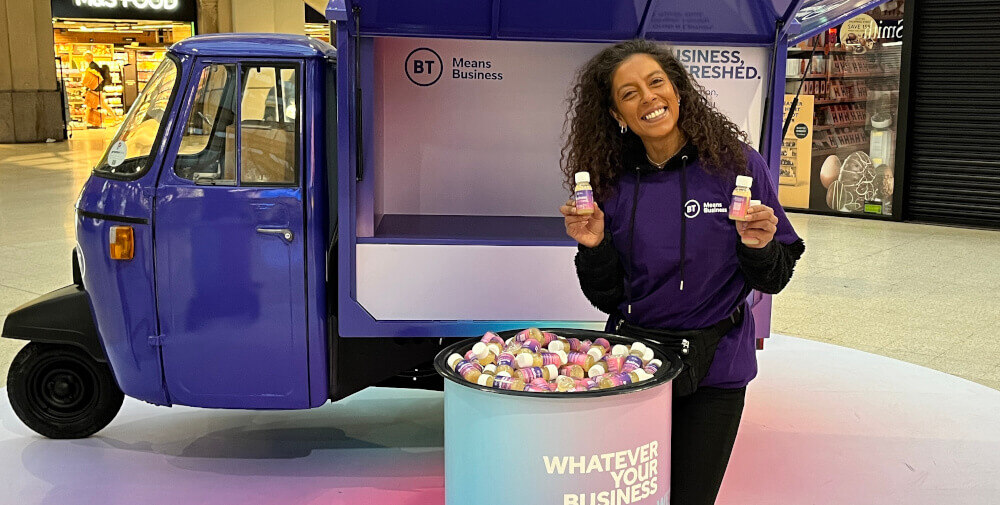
268, 16
31, 107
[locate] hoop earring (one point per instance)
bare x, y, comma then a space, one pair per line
624, 128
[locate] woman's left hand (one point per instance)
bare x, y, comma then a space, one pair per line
760, 226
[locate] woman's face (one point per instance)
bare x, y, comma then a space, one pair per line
644, 98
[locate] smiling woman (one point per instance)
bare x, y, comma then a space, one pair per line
663, 162
599, 108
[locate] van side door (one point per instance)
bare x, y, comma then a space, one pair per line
229, 224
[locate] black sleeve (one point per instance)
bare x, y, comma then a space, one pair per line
601, 275
769, 269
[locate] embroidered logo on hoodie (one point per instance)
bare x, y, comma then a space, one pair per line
693, 208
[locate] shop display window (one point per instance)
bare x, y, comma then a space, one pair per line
126, 51
851, 76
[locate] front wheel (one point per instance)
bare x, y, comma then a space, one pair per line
59, 391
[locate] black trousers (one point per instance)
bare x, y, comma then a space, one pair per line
704, 431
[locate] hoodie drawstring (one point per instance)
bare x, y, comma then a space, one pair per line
631, 229
684, 199
631, 237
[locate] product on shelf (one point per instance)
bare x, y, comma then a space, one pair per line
823, 140
858, 183
543, 362
850, 137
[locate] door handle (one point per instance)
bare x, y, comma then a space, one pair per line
284, 233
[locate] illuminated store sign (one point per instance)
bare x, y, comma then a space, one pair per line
166, 10
135, 4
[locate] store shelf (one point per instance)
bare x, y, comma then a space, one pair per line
827, 127
817, 49
864, 76
835, 150
845, 100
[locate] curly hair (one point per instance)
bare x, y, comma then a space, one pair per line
594, 143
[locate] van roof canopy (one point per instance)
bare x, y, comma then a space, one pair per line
265, 45
752, 22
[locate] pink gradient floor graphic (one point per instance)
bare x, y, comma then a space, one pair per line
824, 425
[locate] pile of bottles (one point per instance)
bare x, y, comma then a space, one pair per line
540, 361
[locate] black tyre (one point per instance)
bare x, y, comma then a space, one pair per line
61, 392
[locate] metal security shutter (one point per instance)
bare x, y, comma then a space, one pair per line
953, 170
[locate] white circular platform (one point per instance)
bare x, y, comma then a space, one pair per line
823, 425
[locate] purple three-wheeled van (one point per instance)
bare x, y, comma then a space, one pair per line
270, 229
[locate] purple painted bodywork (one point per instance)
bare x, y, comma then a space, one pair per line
732, 22
241, 318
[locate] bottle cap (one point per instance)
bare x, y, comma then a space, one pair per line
648, 355
503, 374
484, 380
582, 177
619, 350
490, 369
524, 360
744, 180
754, 202
878, 121
656, 363
638, 347
454, 359
480, 350
557, 345
596, 352
553, 371
643, 375
595, 371
562, 356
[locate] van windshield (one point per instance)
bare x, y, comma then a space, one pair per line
128, 153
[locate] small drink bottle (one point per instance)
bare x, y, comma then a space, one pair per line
583, 194
741, 198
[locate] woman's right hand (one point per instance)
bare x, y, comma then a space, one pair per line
587, 229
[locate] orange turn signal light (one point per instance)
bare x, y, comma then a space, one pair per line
121, 242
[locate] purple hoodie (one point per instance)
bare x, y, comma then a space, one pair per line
681, 267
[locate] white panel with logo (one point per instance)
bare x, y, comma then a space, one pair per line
468, 133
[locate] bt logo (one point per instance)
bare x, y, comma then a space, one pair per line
692, 208
423, 66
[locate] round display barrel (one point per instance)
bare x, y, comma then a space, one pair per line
597, 447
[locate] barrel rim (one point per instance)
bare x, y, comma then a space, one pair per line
662, 376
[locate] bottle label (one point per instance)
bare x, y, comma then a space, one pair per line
584, 200
738, 209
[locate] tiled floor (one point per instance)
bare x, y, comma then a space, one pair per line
919, 293
923, 294
868, 430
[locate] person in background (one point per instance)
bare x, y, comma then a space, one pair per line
660, 254
90, 64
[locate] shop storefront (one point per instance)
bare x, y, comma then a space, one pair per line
839, 154
125, 40
317, 26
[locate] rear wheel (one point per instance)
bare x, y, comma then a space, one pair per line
61, 392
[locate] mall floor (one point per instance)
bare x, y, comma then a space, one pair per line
918, 293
